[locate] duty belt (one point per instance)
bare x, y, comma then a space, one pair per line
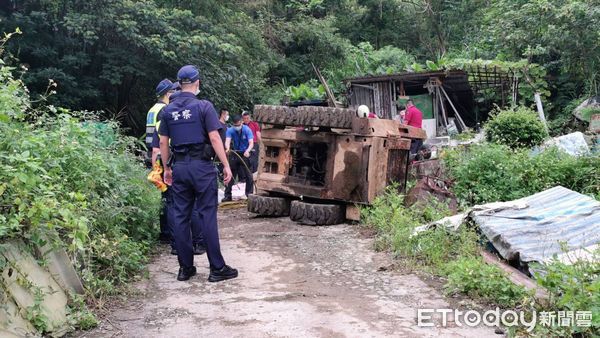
193, 152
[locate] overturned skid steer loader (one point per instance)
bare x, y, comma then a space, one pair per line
318, 163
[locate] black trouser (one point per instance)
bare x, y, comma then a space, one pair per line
238, 169
254, 158
415, 146
165, 228
195, 188
166, 221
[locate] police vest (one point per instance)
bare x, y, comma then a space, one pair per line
184, 119
151, 121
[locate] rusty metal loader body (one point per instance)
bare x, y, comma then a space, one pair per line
326, 170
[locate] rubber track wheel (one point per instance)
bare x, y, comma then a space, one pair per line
326, 116
317, 214
268, 206
275, 115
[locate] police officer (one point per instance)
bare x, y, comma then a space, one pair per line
197, 238
191, 126
243, 141
164, 89
167, 200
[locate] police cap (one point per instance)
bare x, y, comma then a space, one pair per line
188, 74
163, 87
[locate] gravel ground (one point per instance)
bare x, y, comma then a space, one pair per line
295, 281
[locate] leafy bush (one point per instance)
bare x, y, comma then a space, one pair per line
564, 122
310, 90
474, 277
588, 112
56, 177
573, 287
489, 173
74, 182
516, 128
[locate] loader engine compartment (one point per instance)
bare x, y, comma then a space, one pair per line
309, 160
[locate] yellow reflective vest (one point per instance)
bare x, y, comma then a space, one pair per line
151, 121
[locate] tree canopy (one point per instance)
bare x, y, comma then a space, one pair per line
109, 55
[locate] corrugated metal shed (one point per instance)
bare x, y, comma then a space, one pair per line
546, 223
381, 92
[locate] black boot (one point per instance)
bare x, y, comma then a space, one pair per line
186, 273
199, 249
224, 273
164, 238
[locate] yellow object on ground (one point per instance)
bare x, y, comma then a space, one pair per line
233, 204
155, 176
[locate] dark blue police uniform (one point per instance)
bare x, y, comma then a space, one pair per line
166, 215
187, 122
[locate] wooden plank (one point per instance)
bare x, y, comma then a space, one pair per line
289, 189
273, 143
376, 100
278, 136
330, 97
462, 123
516, 276
443, 109
378, 157
271, 177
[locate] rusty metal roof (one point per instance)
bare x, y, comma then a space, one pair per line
553, 222
407, 76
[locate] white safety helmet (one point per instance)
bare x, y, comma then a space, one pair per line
363, 111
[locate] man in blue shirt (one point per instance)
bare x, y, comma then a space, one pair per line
243, 143
191, 128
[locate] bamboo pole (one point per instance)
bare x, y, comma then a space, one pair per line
462, 123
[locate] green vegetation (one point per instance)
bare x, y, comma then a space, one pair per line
449, 254
453, 256
573, 287
107, 56
564, 122
306, 91
74, 182
516, 128
588, 112
489, 173
473, 277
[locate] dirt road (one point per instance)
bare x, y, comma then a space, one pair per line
295, 281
